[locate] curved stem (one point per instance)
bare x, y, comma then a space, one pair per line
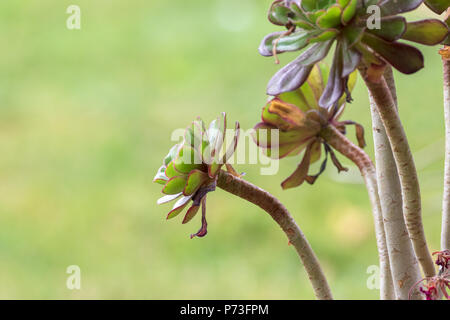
281, 215
445, 235
404, 264
339, 142
406, 169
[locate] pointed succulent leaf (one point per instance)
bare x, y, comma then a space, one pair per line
336, 84
331, 18
178, 207
279, 13
168, 198
299, 175
187, 160
190, 213
316, 151
194, 181
349, 11
392, 28
173, 152
160, 176
402, 57
309, 5
290, 115
233, 145
351, 59
214, 168
393, 7
293, 42
429, 32
293, 75
171, 172
325, 35
315, 82
438, 6
175, 185
263, 135
353, 35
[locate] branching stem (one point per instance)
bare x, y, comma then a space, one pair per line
283, 218
404, 264
406, 169
339, 142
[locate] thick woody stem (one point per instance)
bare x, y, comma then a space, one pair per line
404, 266
339, 142
283, 218
406, 169
445, 235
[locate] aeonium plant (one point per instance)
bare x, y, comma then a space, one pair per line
299, 120
317, 24
189, 171
194, 167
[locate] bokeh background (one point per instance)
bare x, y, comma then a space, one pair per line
85, 120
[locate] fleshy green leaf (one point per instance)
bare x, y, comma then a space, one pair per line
175, 185
392, 28
349, 12
195, 180
296, 41
438, 6
187, 160
324, 36
331, 18
263, 135
393, 7
171, 171
402, 57
429, 32
278, 13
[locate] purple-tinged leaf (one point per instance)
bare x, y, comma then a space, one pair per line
392, 28
429, 32
402, 57
178, 207
190, 213
336, 84
394, 7
438, 6
293, 75
299, 175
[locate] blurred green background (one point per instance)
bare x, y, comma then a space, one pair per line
85, 120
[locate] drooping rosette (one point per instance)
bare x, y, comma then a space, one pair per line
297, 119
189, 171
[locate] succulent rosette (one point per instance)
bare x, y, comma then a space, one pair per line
299, 119
317, 24
190, 169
